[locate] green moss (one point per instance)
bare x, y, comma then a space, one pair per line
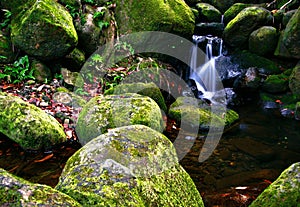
145, 89
105, 172
15, 191
155, 15
276, 83
103, 113
27, 124
233, 11
208, 13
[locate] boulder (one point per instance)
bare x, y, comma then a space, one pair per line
287, 16
41, 72
103, 113
294, 80
155, 15
233, 11
128, 166
289, 41
6, 53
28, 125
74, 60
146, 89
195, 113
208, 13
284, 191
15, 191
277, 83
246, 59
45, 30
237, 31
263, 41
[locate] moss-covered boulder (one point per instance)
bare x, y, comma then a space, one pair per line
102, 113
263, 41
277, 83
45, 30
128, 166
246, 59
284, 191
233, 11
289, 41
41, 72
155, 15
28, 125
208, 13
15, 191
195, 113
74, 60
294, 80
6, 52
237, 31
145, 89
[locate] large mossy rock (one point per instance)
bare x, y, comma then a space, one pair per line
15, 191
172, 16
197, 114
102, 113
128, 166
237, 31
277, 83
208, 13
45, 30
145, 89
284, 191
294, 80
28, 125
289, 41
263, 41
16, 6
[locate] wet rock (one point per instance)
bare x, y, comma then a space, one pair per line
28, 125
196, 114
254, 148
277, 83
237, 31
287, 16
45, 30
103, 113
246, 59
128, 166
68, 98
6, 53
145, 89
284, 190
208, 13
19, 192
294, 80
263, 41
72, 78
157, 15
289, 41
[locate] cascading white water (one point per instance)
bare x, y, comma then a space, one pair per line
205, 75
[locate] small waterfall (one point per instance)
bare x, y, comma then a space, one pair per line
205, 75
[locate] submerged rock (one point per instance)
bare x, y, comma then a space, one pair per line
289, 41
103, 113
28, 125
145, 89
128, 166
237, 31
155, 15
197, 114
284, 191
15, 191
45, 30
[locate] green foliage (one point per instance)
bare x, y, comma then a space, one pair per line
18, 71
74, 12
99, 21
6, 19
122, 45
89, 2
